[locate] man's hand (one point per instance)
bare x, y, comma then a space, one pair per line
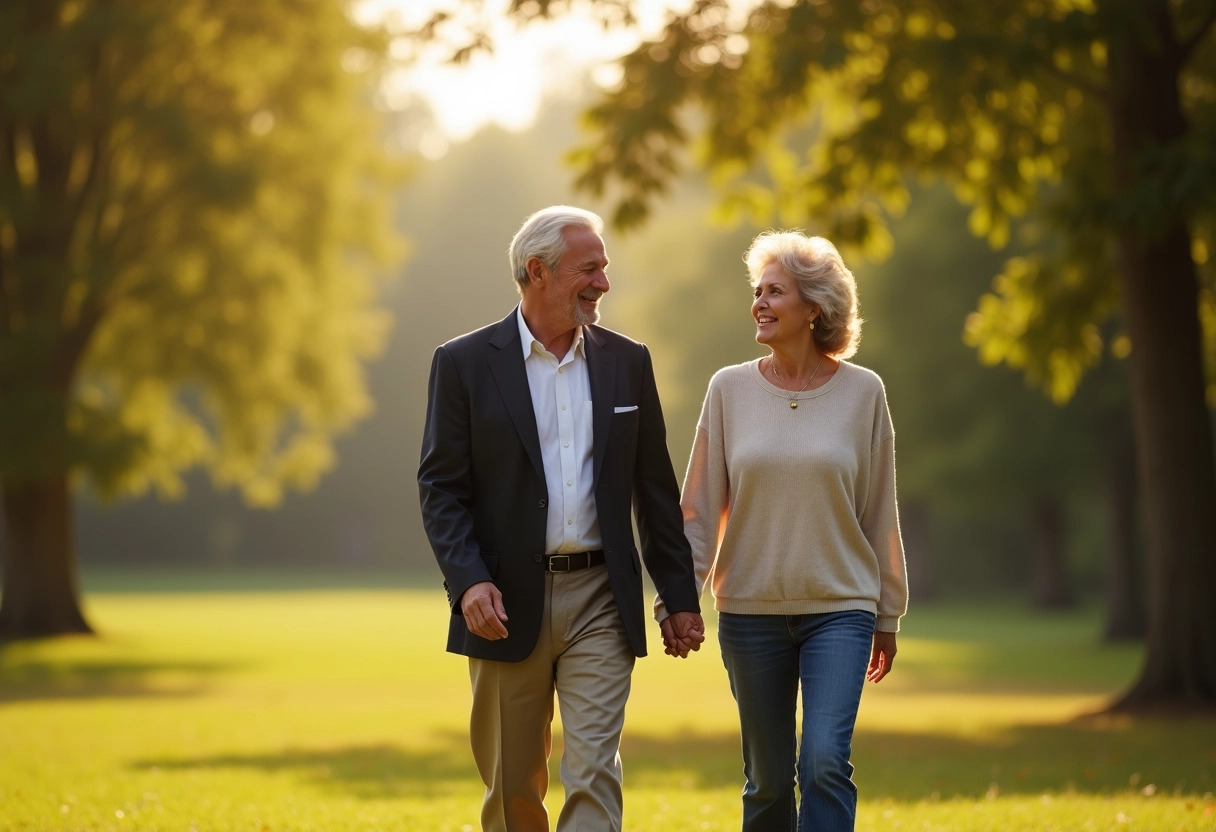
484, 614
881, 657
683, 633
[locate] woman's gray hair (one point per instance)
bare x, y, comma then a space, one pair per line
541, 236
823, 280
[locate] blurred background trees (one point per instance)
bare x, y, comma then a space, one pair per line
191, 205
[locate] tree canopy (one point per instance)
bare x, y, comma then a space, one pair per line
192, 209
821, 110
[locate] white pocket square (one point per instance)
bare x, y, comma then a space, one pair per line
625, 409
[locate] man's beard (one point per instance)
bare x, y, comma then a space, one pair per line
583, 317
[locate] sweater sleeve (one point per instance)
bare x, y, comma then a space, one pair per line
704, 497
880, 524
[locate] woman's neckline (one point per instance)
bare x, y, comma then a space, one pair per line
789, 395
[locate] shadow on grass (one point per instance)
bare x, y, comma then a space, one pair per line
195, 580
375, 772
1095, 756
1087, 757
31, 680
1091, 756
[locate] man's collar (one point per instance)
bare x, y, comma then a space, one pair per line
527, 339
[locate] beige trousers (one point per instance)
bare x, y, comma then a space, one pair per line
583, 656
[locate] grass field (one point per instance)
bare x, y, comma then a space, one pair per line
208, 704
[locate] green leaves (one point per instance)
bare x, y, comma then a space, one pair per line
818, 113
1043, 318
193, 209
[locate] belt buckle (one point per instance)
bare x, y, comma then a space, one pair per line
553, 559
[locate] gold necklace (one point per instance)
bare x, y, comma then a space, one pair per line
772, 362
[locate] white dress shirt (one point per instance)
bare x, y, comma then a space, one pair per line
561, 400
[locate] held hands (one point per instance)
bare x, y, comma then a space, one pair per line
683, 633
484, 613
881, 657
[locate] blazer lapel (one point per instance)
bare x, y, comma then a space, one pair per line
507, 366
601, 367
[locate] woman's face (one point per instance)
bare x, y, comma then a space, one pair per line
779, 311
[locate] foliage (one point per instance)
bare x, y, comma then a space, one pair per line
191, 212
822, 110
312, 708
458, 213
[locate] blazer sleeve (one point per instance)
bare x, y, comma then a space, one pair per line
445, 482
665, 549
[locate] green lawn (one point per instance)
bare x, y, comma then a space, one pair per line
325, 706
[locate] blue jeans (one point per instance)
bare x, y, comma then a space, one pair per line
766, 657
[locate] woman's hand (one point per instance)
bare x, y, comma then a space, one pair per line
881, 657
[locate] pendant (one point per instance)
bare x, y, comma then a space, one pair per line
793, 405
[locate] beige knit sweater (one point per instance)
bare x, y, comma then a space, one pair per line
792, 511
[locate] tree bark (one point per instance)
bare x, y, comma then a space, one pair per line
1174, 448
41, 591
1052, 586
1177, 480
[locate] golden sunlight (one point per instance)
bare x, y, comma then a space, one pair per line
505, 86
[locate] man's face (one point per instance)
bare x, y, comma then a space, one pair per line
579, 281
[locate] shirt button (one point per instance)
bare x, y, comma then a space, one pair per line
569, 484
565, 444
540, 504
569, 522
563, 407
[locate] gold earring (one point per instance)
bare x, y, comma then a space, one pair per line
812, 326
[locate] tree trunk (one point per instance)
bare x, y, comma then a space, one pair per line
40, 595
1174, 450
1177, 480
1124, 574
1052, 587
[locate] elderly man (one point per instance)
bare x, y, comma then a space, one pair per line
541, 431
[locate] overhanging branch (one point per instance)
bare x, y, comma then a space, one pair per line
1187, 47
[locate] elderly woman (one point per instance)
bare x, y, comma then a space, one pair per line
789, 504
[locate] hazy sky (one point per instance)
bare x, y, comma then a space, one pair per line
505, 87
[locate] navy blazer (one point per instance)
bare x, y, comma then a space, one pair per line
482, 485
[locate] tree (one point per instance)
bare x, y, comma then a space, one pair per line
190, 205
1094, 120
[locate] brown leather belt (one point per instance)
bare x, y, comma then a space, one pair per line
571, 562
